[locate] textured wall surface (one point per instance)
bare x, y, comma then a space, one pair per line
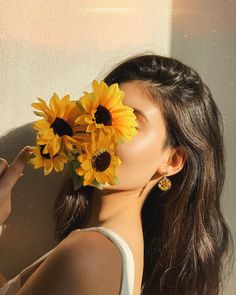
59, 46
62, 46
204, 36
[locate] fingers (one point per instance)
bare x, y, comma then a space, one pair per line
3, 166
12, 174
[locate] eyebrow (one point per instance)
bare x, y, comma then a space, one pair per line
141, 113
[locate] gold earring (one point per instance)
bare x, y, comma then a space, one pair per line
164, 183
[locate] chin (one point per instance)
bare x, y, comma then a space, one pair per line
108, 186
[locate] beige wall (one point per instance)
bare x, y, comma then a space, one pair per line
204, 36
62, 46
59, 46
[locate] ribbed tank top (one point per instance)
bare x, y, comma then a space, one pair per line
127, 277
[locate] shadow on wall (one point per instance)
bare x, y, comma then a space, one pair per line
28, 232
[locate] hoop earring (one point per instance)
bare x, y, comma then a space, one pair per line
164, 183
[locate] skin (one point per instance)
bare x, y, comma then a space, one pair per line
117, 207
9, 175
144, 162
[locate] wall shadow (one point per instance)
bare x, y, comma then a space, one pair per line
28, 231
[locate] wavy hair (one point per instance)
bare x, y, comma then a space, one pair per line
186, 237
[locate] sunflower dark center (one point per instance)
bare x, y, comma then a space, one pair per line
61, 127
46, 156
103, 116
101, 161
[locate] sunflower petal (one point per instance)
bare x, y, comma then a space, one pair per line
81, 119
86, 164
99, 89
87, 102
41, 124
54, 145
47, 167
80, 171
57, 164
54, 103
41, 114
38, 106
45, 135
46, 109
114, 101
62, 106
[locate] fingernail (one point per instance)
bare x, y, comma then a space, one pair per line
27, 149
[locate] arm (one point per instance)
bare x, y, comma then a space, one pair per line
79, 265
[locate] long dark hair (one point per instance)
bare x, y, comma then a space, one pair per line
186, 237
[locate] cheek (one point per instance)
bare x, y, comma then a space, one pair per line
140, 158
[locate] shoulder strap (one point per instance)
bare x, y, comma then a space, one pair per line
127, 258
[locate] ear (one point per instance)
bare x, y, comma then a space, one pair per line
173, 162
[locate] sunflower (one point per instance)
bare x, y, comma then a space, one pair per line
40, 159
58, 125
98, 162
103, 109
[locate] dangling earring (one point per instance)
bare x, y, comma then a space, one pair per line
164, 183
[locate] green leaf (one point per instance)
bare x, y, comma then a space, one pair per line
77, 180
76, 164
70, 157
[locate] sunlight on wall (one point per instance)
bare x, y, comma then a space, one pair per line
61, 46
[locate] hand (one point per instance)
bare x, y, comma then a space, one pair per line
9, 174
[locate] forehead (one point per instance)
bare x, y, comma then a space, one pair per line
136, 95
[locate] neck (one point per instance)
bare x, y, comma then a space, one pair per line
118, 209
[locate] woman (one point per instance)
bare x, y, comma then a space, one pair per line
178, 237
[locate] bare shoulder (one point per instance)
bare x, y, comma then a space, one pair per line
85, 263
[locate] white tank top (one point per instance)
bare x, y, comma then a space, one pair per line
127, 277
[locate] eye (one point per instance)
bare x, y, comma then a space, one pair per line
136, 114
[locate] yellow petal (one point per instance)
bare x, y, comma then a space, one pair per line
88, 178
81, 119
69, 138
102, 139
82, 157
111, 92
41, 124
69, 146
87, 102
58, 165
79, 171
62, 158
68, 109
47, 167
45, 136
46, 109
91, 128
37, 162
115, 100
99, 89
54, 103
38, 106
62, 106
41, 114
54, 145
85, 165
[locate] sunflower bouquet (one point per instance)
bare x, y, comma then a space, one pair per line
83, 134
